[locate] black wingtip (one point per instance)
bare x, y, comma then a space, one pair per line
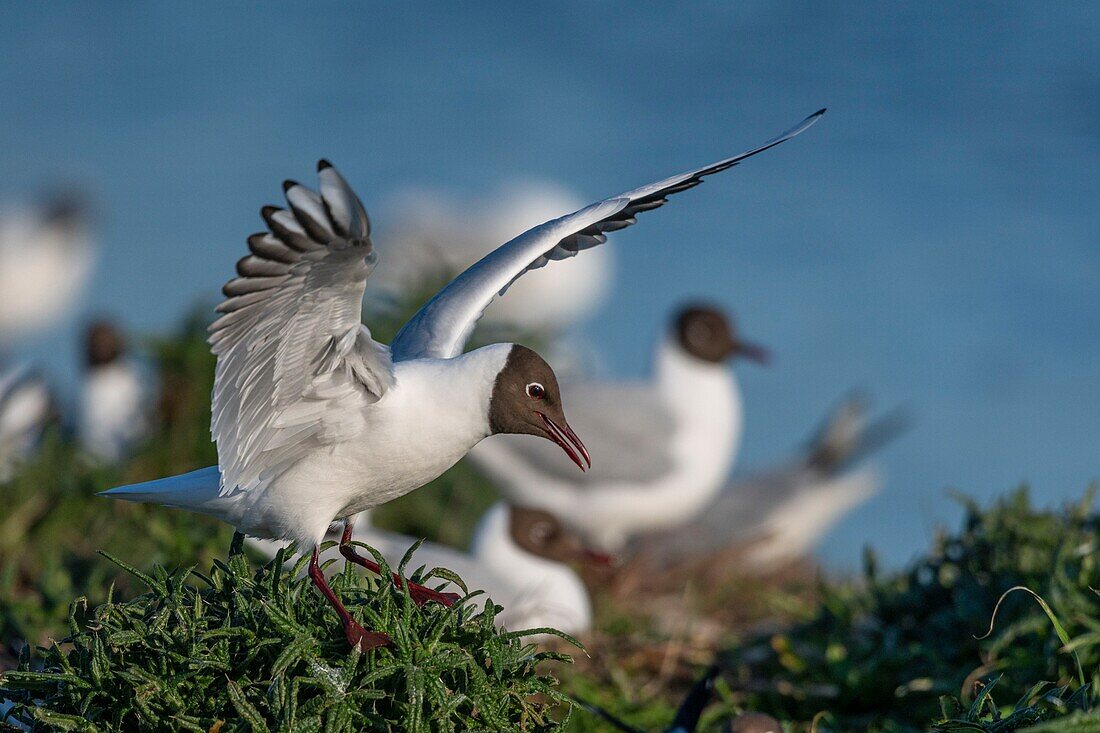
322, 164
289, 184
820, 112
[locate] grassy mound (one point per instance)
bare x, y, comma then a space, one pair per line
879, 655
258, 649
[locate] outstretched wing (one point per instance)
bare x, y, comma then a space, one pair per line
440, 329
295, 365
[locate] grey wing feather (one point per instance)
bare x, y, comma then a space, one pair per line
742, 510
440, 329
294, 360
626, 428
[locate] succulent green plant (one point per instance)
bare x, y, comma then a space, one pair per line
257, 649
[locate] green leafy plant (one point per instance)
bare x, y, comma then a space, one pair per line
1043, 705
879, 655
257, 649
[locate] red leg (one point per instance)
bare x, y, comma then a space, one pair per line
357, 636
419, 593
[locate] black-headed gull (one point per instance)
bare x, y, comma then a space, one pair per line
316, 422
666, 445
114, 400
781, 514
46, 257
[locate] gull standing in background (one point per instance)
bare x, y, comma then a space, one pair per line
114, 401
780, 515
519, 557
315, 421
46, 257
666, 446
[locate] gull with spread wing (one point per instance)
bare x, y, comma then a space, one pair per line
315, 421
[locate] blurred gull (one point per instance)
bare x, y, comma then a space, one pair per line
519, 557
665, 446
439, 236
114, 401
25, 408
46, 257
315, 421
780, 515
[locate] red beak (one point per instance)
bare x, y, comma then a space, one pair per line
600, 559
568, 441
754, 352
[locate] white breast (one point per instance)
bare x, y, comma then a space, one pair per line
435, 412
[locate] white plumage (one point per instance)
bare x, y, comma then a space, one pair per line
114, 396
781, 514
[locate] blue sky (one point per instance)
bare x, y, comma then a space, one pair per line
935, 239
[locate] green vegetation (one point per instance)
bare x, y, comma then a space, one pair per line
880, 654
887, 652
257, 650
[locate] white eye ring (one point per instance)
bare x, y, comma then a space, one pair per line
535, 391
541, 532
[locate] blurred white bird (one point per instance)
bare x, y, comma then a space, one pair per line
782, 514
114, 401
25, 408
664, 447
315, 421
437, 236
46, 257
519, 557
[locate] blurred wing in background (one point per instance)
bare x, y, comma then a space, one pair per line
440, 329
24, 411
294, 359
435, 236
786, 511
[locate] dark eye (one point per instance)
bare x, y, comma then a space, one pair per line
536, 391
